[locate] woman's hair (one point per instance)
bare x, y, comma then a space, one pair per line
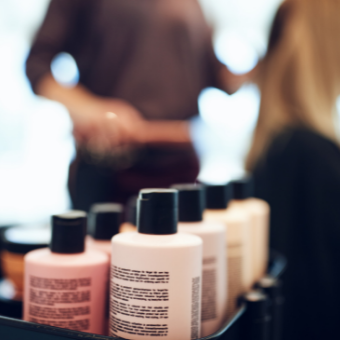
299, 77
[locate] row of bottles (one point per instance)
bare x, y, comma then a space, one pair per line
162, 282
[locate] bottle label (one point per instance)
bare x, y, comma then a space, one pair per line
235, 284
139, 311
195, 308
60, 302
209, 294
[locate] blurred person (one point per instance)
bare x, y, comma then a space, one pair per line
142, 65
295, 161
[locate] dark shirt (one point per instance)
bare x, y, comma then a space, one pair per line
300, 179
156, 54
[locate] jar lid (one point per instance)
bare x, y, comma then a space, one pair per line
22, 239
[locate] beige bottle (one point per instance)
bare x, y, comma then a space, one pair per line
104, 222
239, 256
259, 212
65, 285
213, 235
237, 222
156, 274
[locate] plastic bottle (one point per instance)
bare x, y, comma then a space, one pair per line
65, 286
131, 216
238, 241
213, 235
104, 222
259, 213
156, 274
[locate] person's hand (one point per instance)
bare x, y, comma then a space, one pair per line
105, 124
127, 119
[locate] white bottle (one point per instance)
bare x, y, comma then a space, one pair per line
213, 235
104, 222
259, 213
156, 274
65, 286
237, 222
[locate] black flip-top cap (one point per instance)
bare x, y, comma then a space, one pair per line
105, 220
157, 211
68, 235
191, 202
217, 196
242, 188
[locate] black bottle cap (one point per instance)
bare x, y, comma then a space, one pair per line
191, 202
105, 220
68, 235
242, 188
23, 239
217, 196
157, 211
131, 210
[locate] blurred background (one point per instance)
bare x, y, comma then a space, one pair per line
36, 145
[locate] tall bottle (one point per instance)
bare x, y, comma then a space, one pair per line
238, 241
104, 222
259, 213
65, 285
213, 235
130, 223
156, 274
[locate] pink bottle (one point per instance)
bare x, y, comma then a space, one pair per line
104, 222
64, 285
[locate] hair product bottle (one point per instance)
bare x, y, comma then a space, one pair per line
213, 234
131, 216
217, 198
65, 286
237, 242
259, 213
156, 274
104, 222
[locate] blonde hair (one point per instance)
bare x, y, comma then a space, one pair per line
299, 77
